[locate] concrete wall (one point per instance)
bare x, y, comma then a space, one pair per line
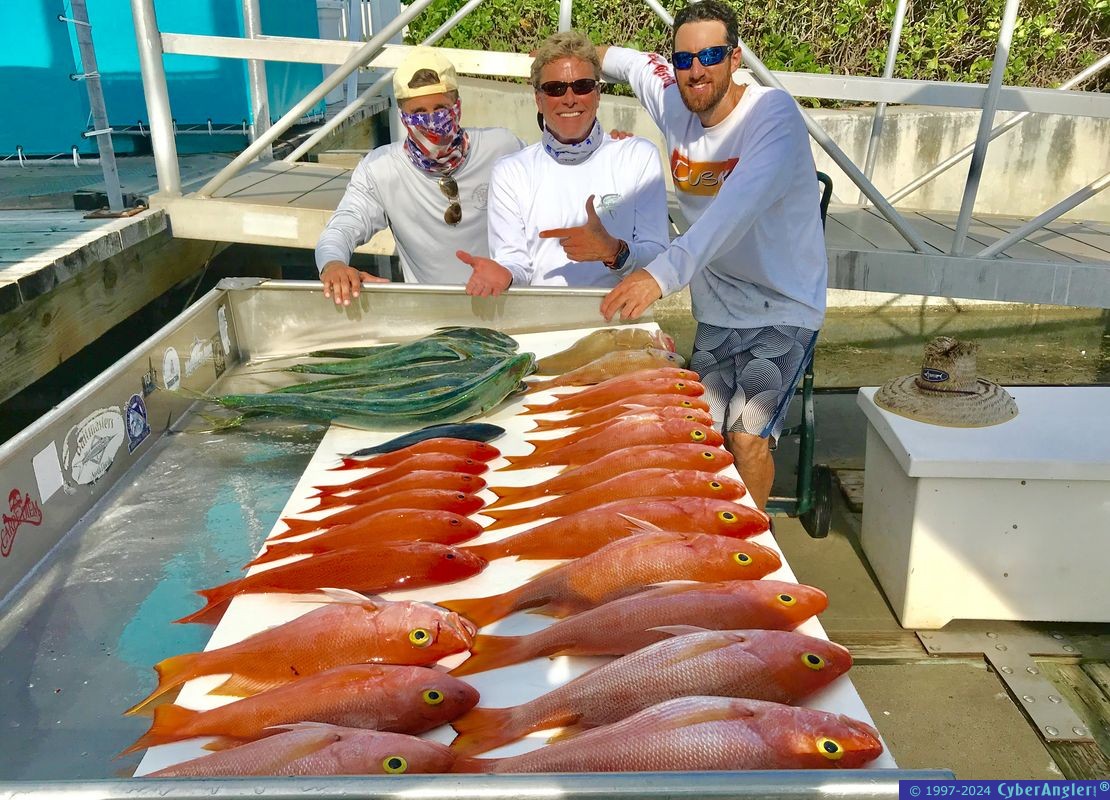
1030, 168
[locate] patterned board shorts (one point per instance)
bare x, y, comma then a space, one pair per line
750, 374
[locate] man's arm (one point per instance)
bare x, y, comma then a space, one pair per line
650, 219
508, 239
358, 217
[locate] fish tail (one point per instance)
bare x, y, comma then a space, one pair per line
215, 598
172, 672
239, 685
296, 527
540, 408
325, 501
276, 551
474, 764
484, 610
493, 652
483, 729
539, 386
550, 425
507, 517
490, 550
346, 462
533, 459
170, 725
510, 495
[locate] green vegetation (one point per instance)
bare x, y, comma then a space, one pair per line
945, 40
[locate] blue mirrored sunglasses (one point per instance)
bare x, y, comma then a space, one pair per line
708, 57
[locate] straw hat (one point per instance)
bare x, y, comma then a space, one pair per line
947, 391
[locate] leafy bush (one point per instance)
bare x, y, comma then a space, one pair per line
941, 40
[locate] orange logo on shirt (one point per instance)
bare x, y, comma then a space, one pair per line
699, 177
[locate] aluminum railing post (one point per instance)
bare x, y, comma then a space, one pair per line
256, 75
153, 71
1012, 122
661, 12
376, 88
83, 31
359, 57
1038, 222
565, 9
986, 122
764, 76
880, 109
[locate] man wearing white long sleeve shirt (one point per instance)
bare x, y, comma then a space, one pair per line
579, 208
430, 189
754, 255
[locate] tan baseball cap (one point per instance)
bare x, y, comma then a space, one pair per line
421, 58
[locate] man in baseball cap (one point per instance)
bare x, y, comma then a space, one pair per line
430, 188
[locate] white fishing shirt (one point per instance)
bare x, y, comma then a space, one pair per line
531, 192
388, 190
754, 254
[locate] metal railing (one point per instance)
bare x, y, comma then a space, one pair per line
350, 56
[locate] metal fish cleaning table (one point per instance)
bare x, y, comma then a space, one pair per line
118, 510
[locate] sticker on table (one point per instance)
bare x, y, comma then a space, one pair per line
199, 355
225, 336
90, 447
48, 471
219, 359
138, 428
150, 379
23, 510
171, 369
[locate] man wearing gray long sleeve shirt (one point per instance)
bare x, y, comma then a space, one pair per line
754, 254
430, 189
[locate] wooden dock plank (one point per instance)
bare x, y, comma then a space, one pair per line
880, 233
983, 232
1081, 760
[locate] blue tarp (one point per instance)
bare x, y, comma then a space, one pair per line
45, 111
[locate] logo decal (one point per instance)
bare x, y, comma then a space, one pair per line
200, 353
90, 447
934, 375
171, 369
661, 69
703, 178
138, 427
23, 509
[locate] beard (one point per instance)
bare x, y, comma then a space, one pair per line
704, 102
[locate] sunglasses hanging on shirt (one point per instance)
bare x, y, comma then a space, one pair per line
709, 57
582, 86
450, 189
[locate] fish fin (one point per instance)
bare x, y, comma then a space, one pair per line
568, 732
167, 726
324, 502
346, 462
484, 610
525, 462
474, 764
297, 527
552, 425
640, 524
217, 597
539, 386
172, 672
680, 630
274, 552
242, 686
539, 408
511, 495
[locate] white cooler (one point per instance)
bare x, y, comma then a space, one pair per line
1009, 522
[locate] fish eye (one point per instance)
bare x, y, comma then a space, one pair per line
813, 661
395, 765
726, 516
432, 697
715, 485
460, 496
743, 559
697, 435
830, 749
787, 599
455, 522
420, 637
686, 404
450, 556
680, 385
707, 455
689, 418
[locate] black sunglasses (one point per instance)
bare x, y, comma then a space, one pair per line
450, 189
709, 57
559, 88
